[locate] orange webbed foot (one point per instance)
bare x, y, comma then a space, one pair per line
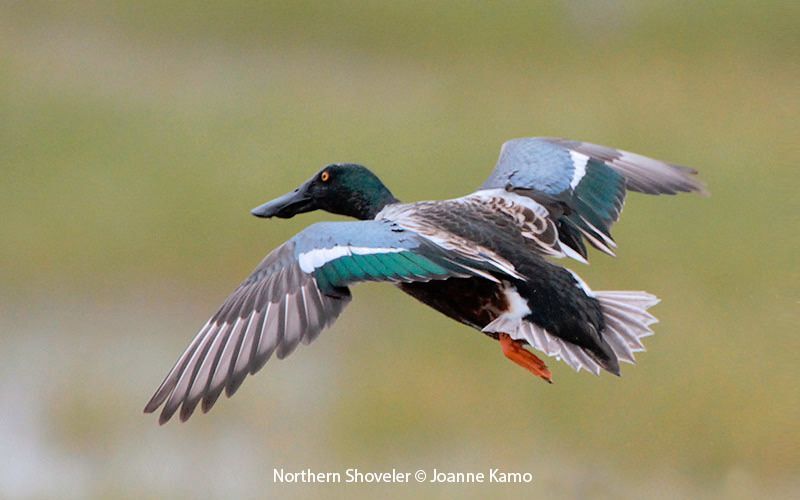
516, 352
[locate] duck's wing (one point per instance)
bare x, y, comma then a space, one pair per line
297, 290
586, 181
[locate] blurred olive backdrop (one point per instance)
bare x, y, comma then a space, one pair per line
135, 137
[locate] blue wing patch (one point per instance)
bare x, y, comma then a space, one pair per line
532, 163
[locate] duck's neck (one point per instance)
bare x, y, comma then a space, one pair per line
367, 207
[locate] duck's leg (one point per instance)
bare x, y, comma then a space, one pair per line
515, 351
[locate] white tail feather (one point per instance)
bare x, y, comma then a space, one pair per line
627, 321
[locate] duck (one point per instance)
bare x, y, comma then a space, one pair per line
488, 260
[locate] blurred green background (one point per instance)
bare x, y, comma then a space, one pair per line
135, 137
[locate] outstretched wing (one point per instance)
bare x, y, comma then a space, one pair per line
297, 290
586, 182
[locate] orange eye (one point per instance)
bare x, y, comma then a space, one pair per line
325, 176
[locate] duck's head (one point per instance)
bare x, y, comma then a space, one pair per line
344, 189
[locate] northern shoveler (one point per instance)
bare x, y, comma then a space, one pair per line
479, 259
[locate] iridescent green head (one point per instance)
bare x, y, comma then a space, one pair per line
344, 189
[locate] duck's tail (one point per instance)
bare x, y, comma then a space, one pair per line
627, 321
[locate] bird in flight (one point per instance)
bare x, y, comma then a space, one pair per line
482, 259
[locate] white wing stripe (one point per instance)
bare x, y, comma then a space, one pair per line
318, 257
579, 161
